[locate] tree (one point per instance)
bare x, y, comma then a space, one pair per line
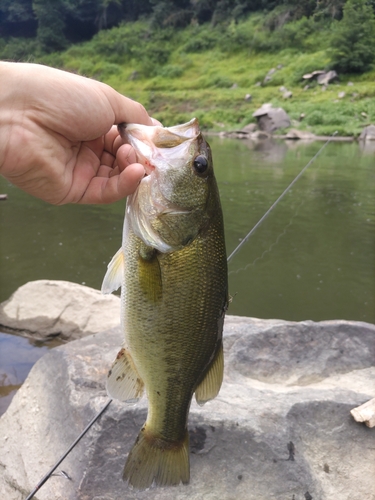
51, 24
17, 18
353, 38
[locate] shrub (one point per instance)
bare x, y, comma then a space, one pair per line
353, 38
170, 71
315, 118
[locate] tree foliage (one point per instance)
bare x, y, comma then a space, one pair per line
353, 38
52, 25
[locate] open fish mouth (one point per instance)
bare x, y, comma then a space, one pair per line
153, 144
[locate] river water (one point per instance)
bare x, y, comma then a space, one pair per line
312, 258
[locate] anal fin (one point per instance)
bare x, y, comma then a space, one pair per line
123, 381
210, 386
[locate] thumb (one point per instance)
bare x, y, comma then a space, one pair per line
125, 109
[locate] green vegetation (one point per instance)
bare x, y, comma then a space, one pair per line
353, 38
203, 62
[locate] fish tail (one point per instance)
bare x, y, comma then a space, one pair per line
155, 460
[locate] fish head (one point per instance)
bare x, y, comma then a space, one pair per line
169, 208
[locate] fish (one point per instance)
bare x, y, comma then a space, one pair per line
172, 269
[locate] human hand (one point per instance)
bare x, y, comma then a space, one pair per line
58, 139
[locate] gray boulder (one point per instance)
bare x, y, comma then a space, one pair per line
368, 133
313, 74
326, 78
322, 77
280, 428
270, 119
47, 308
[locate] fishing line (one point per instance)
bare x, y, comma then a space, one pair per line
64, 474
252, 231
249, 234
269, 249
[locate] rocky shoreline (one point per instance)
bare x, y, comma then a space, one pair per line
281, 426
270, 120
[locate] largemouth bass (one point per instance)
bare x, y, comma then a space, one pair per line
173, 272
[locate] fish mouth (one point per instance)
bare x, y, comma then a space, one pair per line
149, 140
132, 135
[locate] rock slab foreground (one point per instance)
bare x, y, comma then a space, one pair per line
280, 428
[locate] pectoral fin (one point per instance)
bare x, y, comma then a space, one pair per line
123, 381
210, 385
149, 274
113, 277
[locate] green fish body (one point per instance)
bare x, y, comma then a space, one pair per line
173, 271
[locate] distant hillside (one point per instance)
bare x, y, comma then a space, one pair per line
202, 61
55, 24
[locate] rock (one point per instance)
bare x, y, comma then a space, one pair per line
288, 94
314, 74
350, 84
257, 84
322, 77
48, 308
234, 86
259, 135
248, 132
302, 116
248, 97
306, 87
368, 133
264, 109
326, 78
365, 413
249, 128
280, 427
282, 89
300, 134
270, 119
341, 95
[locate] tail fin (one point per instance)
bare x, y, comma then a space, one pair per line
154, 460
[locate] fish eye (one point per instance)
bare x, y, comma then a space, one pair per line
200, 164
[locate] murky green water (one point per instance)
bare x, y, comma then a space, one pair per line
313, 257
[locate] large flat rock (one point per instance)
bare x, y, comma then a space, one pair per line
280, 428
50, 308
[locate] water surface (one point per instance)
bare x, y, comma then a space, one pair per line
313, 257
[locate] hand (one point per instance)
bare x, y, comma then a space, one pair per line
58, 139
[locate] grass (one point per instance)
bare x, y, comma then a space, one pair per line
204, 72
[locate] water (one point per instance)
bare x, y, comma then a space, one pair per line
313, 257
17, 357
